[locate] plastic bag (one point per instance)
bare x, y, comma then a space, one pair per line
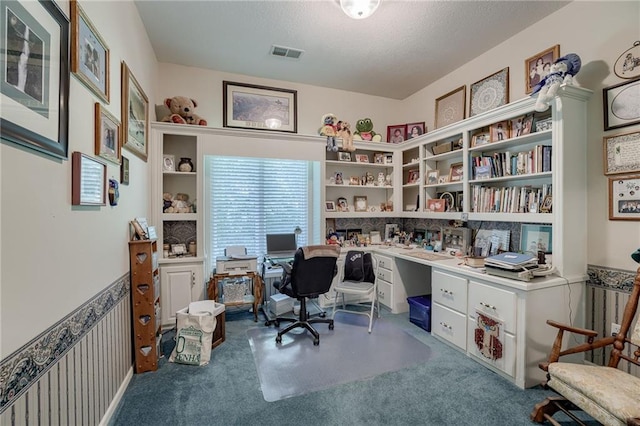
194, 335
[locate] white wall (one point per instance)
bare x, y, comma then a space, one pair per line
56, 256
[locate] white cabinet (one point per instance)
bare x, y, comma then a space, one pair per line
384, 274
449, 307
180, 284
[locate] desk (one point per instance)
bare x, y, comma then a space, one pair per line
213, 290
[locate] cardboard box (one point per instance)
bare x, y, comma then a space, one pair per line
280, 304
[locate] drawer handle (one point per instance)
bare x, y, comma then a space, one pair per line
445, 325
381, 293
445, 291
486, 305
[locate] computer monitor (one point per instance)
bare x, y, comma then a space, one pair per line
281, 245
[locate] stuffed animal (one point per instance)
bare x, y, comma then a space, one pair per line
182, 111
364, 131
561, 72
329, 130
167, 199
344, 132
179, 204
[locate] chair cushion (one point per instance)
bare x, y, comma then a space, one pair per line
354, 287
607, 394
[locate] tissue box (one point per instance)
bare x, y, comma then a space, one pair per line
280, 304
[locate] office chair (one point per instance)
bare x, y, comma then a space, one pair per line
312, 272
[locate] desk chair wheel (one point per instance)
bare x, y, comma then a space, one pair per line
316, 342
331, 326
278, 339
323, 314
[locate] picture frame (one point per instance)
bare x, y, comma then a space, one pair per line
249, 106
624, 197
388, 158
436, 205
354, 180
499, 131
416, 129
456, 172
107, 135
621, 154
344, 156
342, 205
621, 104
390, 230
330, 206
481, 137
432, 177
413, 176
460, 201
378, 158
628, 64
537, 67
124, 171
88, 180
397, 133
89, 53
362, 158
450, 201
35, 116
168, 163
534, 238
547, 204
489, 93
135, 115
360, 203
443, 179
337, 177
450, 108
520, 126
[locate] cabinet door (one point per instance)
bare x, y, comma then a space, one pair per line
177, 288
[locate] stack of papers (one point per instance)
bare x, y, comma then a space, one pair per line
511, 261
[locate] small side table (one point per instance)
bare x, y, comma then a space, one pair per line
213, 291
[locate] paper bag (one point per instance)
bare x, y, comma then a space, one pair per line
193, 337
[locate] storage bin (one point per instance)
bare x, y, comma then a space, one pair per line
420, 311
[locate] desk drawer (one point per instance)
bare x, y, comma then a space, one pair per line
385, 262
385, 293
449, 290
385, 275
495, 302
449, 325
507, 361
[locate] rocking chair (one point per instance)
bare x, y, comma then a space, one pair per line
608, 394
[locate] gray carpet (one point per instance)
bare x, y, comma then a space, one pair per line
345, 354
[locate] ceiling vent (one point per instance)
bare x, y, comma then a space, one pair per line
286, 52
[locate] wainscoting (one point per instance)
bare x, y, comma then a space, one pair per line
71, 373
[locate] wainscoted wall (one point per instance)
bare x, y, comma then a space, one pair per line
70, 374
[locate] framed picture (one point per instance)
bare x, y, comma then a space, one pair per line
135, 115
537, 67
436, 205
378, 158
621, 104
342, 205
107, 135
338, 180
35, 93
88, 180
499, 131
489, 93
432, 177
621, 153
362, 158
388, 158
354, 180
344, 156
624, 197
413, 176
482, 172
456, 172
89, 53
397, 133
481, 137
534, 238
628, 64
360, 203
521, 126
390, 230
168, 163
450, 108
248, 106
124, 171
330, 206
416, 129
547, 204
460, 201
443, 179
450, 201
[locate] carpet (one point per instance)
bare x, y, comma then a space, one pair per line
346, 354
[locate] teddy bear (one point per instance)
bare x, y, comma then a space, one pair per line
179, 204
561, 72
182, 111
364, 131
344, 132
329, 130
167, 199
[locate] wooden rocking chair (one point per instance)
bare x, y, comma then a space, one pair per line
609, 395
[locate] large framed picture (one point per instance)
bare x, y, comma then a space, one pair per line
107, 135
88, 180
397, 133
135, 115
34, 76
416, 129
624, 197
489, 93
89, 53
534, 238
450, 108
248, 106
537, 67
622, 153
621, 104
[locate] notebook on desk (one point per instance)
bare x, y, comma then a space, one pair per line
281, 246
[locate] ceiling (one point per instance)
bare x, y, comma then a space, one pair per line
402, 48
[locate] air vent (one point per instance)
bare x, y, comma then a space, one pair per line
286, 52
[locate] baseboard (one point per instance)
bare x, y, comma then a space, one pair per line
116, 399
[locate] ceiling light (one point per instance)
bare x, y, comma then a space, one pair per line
359, 9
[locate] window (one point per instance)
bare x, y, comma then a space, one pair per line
252, 197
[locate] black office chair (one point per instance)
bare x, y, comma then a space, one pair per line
312, 272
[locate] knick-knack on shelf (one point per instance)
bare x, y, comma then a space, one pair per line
185, 165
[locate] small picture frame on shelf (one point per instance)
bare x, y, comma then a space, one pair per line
388, 158
436, 205
443, 179
397, 133
521, 126
450, 201
354, 180
432, 177
178, 249
481, 137
460, 201
337, 178
545, 124
360, 203
499, 131
378, 158
413, 176
390, 230
330, 206
456, 171
168, 163
415, 129
624, 197
547, 204
534, 238
342, 205
344, 156
362, 158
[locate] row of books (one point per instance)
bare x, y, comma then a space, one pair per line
514, 199
498, 164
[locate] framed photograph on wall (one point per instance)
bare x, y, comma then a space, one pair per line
35, 98
135, 115
537, 67
622, 153
248, 106
489, 93
415, 129
621, 104
450, 108
624, 197
534, 238
107, 135
88, 180
396, 133
124, 171
89, 53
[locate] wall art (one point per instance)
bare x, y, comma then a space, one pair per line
624, 197
621, 104
135, 115
628, 64
107, 135
537, 67
489, 93
450, 108
622, 153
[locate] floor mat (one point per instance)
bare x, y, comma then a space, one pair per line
345, 354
